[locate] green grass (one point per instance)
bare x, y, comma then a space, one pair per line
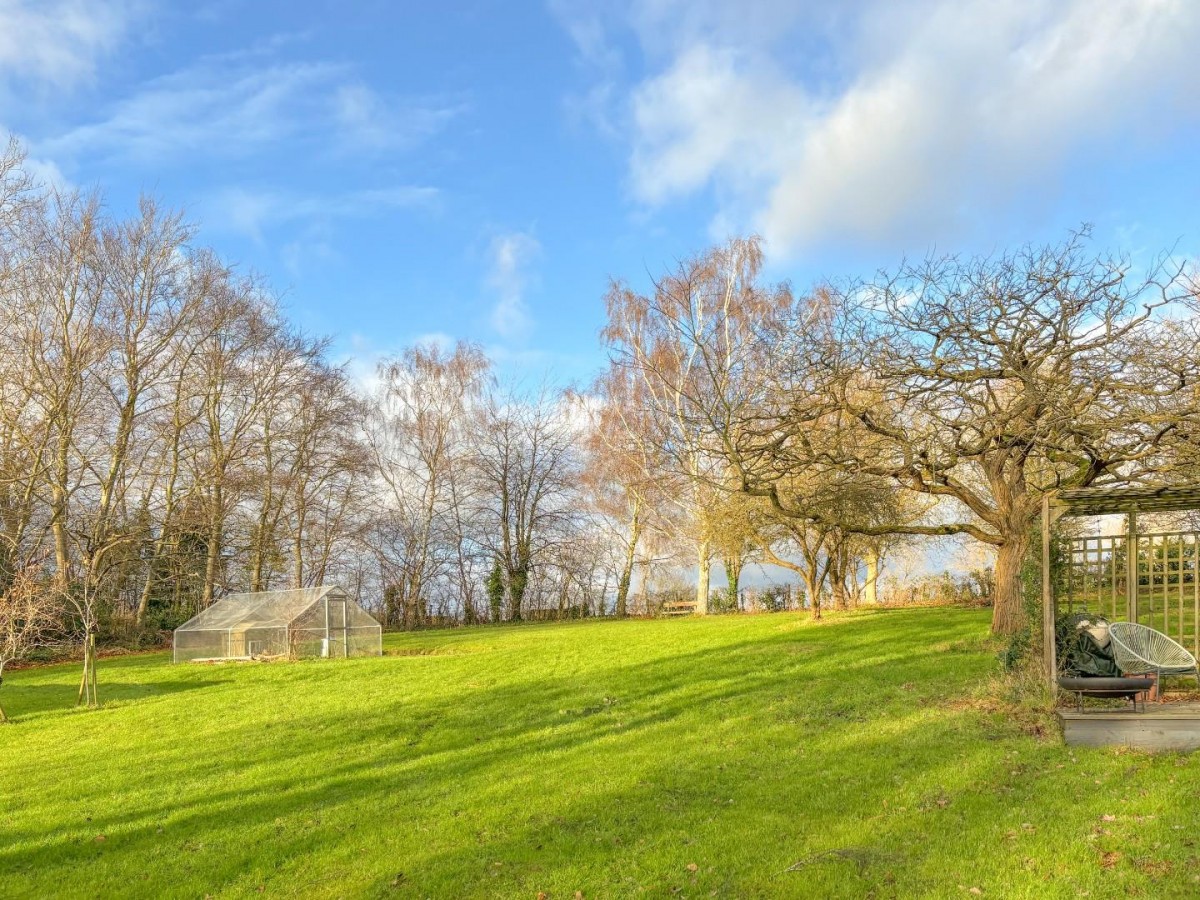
608, 758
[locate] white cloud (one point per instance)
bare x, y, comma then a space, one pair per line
511, 256
59, 42
883, 119
711, 114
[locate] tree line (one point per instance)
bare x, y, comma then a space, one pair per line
168, 436
946, 397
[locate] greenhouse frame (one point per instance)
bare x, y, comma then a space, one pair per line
316, 622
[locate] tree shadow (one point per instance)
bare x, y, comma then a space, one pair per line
25, 702
583, 775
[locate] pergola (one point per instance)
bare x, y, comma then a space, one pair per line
1099, 501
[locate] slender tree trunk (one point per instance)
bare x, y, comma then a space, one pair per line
812, 587
258, 551
87, 685
298, 546
83, 681
635, 533
562, 599
1008, 610
871, 585
62, 552
703, 576
148, 585
213, 553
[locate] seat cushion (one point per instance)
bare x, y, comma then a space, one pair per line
1099, 633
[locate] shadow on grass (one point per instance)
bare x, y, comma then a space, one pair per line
609, 778
492, 766
25, 702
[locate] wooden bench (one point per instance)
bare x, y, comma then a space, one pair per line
678, 608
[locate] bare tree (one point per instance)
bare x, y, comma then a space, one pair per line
30, 617
984, 384
418, 434
528, 466
628, 479
690, 345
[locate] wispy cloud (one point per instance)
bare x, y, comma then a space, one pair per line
511, 257
588, 25
58, 43
240, 104
369, 120
886, 119
252, 211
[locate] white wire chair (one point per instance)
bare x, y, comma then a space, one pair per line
1140, 650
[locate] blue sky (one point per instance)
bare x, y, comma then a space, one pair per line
479, 169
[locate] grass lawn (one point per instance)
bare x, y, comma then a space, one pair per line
740, 756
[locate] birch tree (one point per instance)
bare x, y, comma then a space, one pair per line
690, 344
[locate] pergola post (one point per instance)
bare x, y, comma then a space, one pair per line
1048, 650
1131, 565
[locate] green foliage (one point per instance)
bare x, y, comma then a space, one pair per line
495, 592
126, 634
777, 598
518, 580
722, 601
606, 757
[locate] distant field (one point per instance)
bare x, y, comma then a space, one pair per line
739, 756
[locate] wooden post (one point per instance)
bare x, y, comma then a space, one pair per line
95, 701
84, 681
1048, 601
1131, 566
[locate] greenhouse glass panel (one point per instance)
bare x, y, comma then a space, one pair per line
310, 622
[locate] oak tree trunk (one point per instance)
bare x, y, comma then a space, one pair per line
1008, 611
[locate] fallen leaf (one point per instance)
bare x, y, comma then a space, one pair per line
1108, 818
976, 891
692, 867
100, 838
541, 895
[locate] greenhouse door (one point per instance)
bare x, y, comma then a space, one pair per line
335, 627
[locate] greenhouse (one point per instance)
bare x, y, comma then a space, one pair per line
318, 622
